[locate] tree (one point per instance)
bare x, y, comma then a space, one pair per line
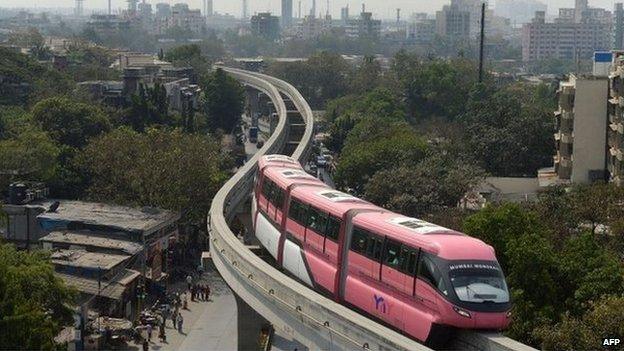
508, 130
367, 76
434, 184
223, 100
370, 149
69, 123
161, 167
148, 107
30, 153
35, 304
605, 318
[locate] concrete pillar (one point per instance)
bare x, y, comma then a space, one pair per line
250, 325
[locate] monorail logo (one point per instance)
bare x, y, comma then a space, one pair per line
380, 303
473, 265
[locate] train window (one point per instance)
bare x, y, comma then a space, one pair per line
297, 212
266, 188
392, 254
374, 247
317, 220
277, 196
358, 242
333, 228
428, 272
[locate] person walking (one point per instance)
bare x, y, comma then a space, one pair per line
174, 315
207, 292
180, 322
149, 332
162, 334
145, 345
189, 282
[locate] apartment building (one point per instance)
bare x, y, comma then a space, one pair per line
576, 34
580, 132
616, 120
265, 25
453, 22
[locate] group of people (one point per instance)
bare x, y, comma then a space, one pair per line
199, 292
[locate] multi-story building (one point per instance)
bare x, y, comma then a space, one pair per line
104, 25
312, 27
453, 22
518, 11
183, 17
265, 25
580, 137
616, 120
576, 34
363, 27
287, 13
421, 29
618, 23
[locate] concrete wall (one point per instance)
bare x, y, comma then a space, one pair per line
590, 123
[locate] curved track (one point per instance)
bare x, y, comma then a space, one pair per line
293, 309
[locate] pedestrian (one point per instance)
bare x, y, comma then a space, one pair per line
161, 333
202, 292
207, 292
149, 332
145, 345
180, 322
185, 301
189, 281
192, 292
174, 315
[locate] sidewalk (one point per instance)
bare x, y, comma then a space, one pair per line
208, 325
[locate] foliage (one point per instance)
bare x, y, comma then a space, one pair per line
69, 123
34, 304
148, 107
431, 185
162, 167
509, 130
24, 80
605, 318
224, 102
31, 152
322, 77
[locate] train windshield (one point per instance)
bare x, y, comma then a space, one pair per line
479, 282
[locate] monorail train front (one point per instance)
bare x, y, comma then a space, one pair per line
474, 292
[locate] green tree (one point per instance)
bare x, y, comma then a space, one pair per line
162, 167
148, 107
367, 76
30, 153
35, 304
68, 122
433, 184
224, 100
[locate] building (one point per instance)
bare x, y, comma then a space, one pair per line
618, 27
616, 120
363, 27
104, 25
311, 27
580, 135
183, 17
287, 13
518, 11
576, 34
453, 22
421, 29
265, 25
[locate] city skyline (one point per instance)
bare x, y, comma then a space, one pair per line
380, 8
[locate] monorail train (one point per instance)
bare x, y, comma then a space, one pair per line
419, 278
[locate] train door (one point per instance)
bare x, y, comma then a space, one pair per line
390, 274
264, 193
332, 233
315, 229
430, 283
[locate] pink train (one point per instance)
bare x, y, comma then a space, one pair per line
419, 278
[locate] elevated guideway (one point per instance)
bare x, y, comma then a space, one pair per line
292, 308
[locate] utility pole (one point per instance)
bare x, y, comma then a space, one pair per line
481, 43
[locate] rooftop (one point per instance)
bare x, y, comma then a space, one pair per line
113, 241
112, 290
128, 219
84, 259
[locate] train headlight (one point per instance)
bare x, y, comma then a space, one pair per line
461, 312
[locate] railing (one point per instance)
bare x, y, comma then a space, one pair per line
294, 309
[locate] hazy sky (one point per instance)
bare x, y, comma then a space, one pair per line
381, 8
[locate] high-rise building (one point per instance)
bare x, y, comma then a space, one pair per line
453, 22
574, 35
208, 8
287, 13
313, 9
265, 25
421, 29
518, 11
344, 14
619, 27
616, 120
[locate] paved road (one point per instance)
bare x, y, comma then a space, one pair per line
208, 325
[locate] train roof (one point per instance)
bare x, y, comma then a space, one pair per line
278, 161
444, 242
330, 200
285, 177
